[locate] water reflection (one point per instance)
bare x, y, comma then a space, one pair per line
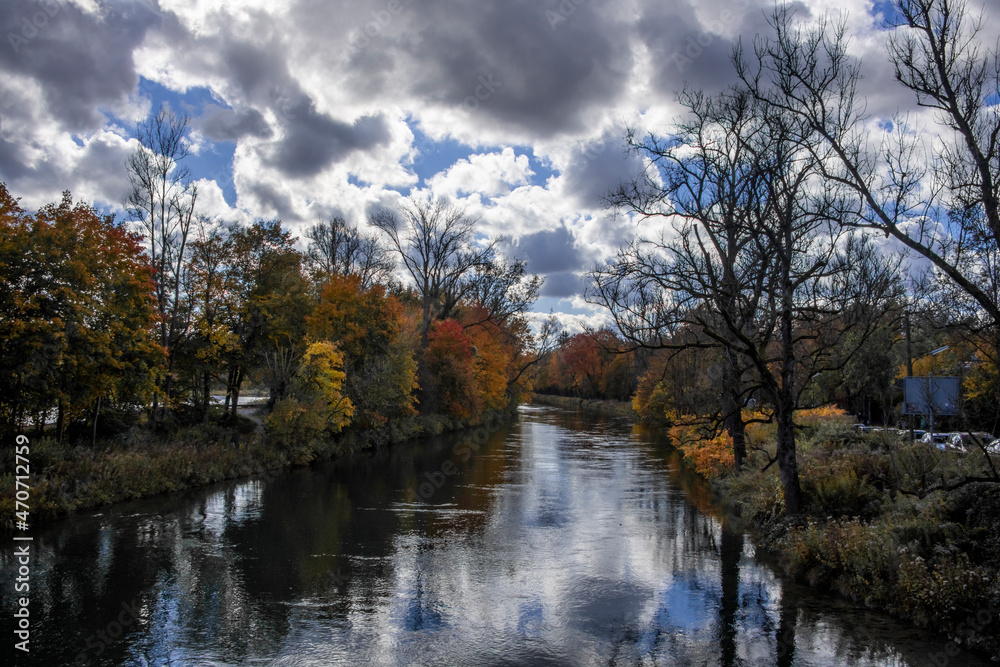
563, 540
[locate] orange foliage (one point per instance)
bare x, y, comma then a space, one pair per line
711, 455
361, 321
449, 359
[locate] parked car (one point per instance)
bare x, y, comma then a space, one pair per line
967, 441
940, 440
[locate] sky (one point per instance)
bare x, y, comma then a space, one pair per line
306, 109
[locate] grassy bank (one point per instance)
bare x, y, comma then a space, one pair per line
616, 408
876, 527
66, 478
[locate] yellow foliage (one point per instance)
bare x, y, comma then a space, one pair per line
316, 407
710, 455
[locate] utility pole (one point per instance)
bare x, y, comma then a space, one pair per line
909, 364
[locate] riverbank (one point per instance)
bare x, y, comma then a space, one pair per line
139, 463
616, 408
880, 527
877, 526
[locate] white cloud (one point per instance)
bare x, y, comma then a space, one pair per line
488, 174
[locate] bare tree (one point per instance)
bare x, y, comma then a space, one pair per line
161, 202
936, 191
502, 289
437, 244
755, 264
706, 182
340, 249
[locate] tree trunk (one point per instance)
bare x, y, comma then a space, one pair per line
732, 412
206, 396
237, 381
788, 468
229, 390
169, 383
97, 413
737, 431
425, 323
60, 422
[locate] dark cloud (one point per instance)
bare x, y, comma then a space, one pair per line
269, 198
598, 167
550, 251
220, 124
11, 163
562, 285
83, 62
312, 140
686, 52
509, 62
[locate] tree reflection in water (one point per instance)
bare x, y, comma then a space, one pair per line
565, 539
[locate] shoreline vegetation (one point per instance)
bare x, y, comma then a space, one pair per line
602, 406
142, 464
875, 529
128, 348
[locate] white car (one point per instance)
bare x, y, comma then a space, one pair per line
940, 440
967, 442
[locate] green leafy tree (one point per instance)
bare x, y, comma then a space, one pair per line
271, 298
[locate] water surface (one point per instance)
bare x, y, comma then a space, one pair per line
562, 539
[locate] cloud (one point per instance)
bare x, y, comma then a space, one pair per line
81, 60
596, 167
561, 285
489, 174
313, 141
220, 124
550, 251
321, 100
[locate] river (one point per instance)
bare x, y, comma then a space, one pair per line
561, 539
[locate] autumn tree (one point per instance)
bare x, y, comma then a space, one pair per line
436, 243
272, 301
315, 407
76, 293
450, 361
367, 325
210, 288
161, 202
